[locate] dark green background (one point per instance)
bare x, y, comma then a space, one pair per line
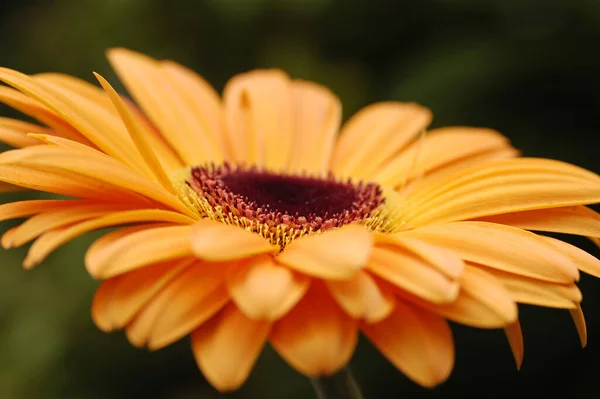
529, 68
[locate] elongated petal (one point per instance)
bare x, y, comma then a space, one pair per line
55, 218
446, 262
511, 185
412, 274
227, 347
417, 342
258, 112
19, 101
140, 249
14, 132
362, 298
432, 152
216, 241
189, 300
164, 102
20, 209
502, 247
48, 242
537, 292
336, 254
119, 299
318, 114
515, 339
78, 113
85, 163
137, 136
316, 337
579, 320
578, 220
67, 183
376, 133
202, 102
459, 166
264, 290
483, 302
583, 260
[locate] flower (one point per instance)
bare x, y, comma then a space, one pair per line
247, 219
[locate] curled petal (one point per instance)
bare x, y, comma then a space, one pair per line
227, 346
264, 290
501, 247
417, 342
412, 274
219, 242
316, 337
139, 249
337, 254
362, 298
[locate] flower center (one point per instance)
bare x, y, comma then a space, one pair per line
280, 207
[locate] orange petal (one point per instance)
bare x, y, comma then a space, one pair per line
579, 220
166, 104
227, 347
417, 342
482, 302
202, 101
515, 339
579, 320
189, 300
432, 152
583, 260
48, 242
374, 135
139, 249
264, 290
316, 337
15, 133
446, 262
336, 254
501, 247
14, 210
137, 136
511, 185
36, 110
458, 166
78, 112
537, 292
215, 241
87, 163
119, 299
318, 114
258, 112
67, 183
362, 298
55, 218
98, 114
412, 274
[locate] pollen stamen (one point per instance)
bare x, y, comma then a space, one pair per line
280, 207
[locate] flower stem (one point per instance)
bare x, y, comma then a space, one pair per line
341, 385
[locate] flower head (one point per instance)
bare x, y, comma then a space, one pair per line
255, 218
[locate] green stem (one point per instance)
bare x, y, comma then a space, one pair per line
338, 386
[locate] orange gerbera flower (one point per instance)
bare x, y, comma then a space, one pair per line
247, 220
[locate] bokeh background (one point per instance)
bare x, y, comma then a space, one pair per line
528, 68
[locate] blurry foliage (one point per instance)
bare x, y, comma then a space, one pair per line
528, 68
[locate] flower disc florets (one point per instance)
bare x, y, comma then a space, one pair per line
278, 206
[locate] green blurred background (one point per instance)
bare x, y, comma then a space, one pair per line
529, 68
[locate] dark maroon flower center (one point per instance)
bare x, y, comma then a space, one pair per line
282, 202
